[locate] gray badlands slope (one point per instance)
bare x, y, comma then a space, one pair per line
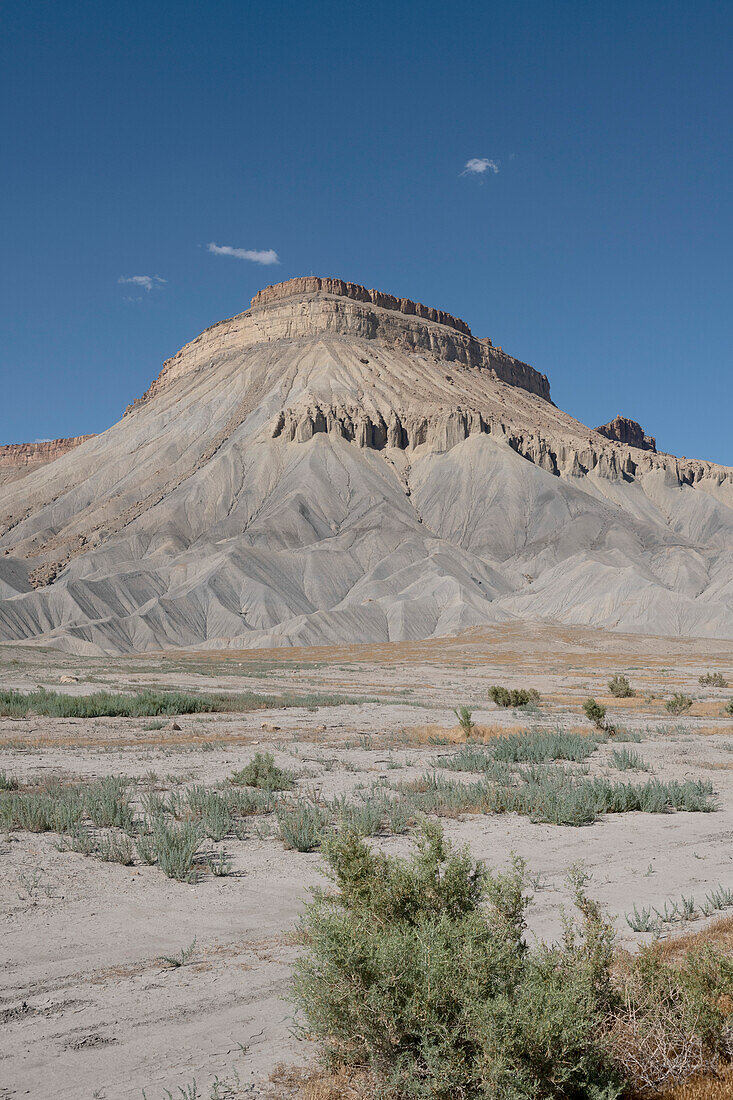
337, 465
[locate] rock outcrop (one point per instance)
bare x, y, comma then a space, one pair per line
629, 432
336, 464
17, 459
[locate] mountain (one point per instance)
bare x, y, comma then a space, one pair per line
339, 465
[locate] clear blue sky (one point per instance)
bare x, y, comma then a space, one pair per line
336, 134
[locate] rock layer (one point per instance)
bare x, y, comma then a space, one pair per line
16, 459
330, 466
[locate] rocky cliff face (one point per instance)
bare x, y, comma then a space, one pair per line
629, 432
307, 308
16, 459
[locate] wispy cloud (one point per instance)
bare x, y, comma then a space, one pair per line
145, 282
478, 166
268, 256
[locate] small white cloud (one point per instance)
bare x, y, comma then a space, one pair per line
147, 282
477, 166
269, 256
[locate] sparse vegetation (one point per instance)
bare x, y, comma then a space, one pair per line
106, 704
538, 747
513, 697
554, 796
713, 679
678, 704
654, 920
181, 957
620, 687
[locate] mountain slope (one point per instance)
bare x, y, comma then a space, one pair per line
335, 464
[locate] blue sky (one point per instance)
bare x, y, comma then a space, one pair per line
596, 245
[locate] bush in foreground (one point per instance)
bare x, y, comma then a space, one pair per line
417, 970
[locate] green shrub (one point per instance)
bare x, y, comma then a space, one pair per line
418, 969
263, 772
513, 697
620, 687
627, 760
729, 707
678, 704
175, 848
465, 720
107, 804
302, 826
595, 713
538, 747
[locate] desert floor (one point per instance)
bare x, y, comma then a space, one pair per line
88, 1007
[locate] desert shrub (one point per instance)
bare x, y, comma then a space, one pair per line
620, 687
627, 760
107, 804
595, 713
243, 802
365, 818
56, 811
263, 772
513, 697
713, 679
538, 747
113, 848
8, 782
175, 847
729, 707
465, 720
543, 746
621, 734
302, 825
678, 704
554, 796
418, 970
216, 820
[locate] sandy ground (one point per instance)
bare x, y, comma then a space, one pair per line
87, 1006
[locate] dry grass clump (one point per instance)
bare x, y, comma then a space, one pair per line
296, 1083
455, 735
713, 1087
717, 935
